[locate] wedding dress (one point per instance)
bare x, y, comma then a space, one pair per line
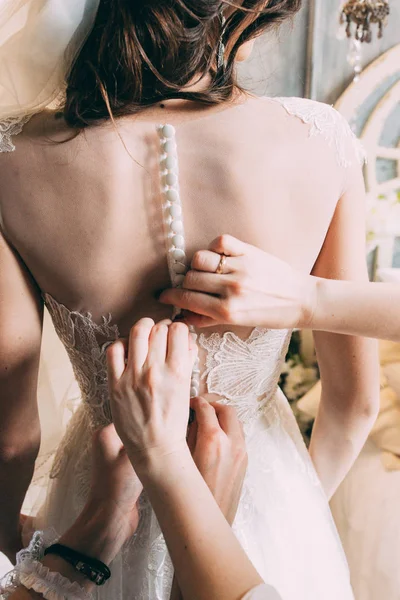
283, 520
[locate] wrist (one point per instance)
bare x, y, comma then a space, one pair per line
309, 302
320, 307
150, 462
99, 532
164, 466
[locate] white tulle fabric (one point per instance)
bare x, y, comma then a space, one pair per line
283, 521
33, 575
39, 40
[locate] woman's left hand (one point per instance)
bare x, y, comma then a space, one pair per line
233, 283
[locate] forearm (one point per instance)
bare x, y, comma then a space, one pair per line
208, 559
357, 308
337, 439
16, 473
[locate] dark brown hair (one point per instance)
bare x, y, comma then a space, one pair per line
141, 52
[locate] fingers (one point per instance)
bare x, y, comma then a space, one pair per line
228, 419
211, 415
116, 360
206, 417
229, 245
199, 321
139, 344
205, 282
178, 343
205, 260
203, 304
157, 353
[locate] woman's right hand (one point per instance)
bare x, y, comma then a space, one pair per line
150, 388
218, 447
253, 289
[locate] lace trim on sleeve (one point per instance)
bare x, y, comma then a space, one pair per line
8, 129
327, 121
32, 574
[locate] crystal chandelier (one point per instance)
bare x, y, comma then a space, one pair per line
360, 15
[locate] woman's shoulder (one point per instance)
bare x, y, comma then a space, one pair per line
322, 121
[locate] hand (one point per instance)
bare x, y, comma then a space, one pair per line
150, 394
115, 485
110, 516
218, 447
255, 289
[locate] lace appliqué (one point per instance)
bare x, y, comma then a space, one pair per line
8, 129
86, 344
328, 122
245, 372
160, 566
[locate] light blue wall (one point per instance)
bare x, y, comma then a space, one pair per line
279, 63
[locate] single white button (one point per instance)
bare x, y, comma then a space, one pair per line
168, 131
169, 163
175, 210
176, 226
171, 178
179, 268
169, 147
172, 196
178, 241
178, 254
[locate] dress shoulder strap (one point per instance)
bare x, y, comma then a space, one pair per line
8, 129
326, 121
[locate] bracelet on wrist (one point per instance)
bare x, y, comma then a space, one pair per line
32, 574
93, 569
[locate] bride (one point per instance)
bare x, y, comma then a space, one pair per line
102, 208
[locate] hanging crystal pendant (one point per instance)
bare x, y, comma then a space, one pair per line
359, 15
354, 57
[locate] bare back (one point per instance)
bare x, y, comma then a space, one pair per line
84, 211
82, 225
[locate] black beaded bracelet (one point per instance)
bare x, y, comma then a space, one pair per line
93, 569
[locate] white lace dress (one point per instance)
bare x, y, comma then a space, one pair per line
283, 521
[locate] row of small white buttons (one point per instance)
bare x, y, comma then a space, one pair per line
177, 260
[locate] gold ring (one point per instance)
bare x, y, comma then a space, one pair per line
221, 264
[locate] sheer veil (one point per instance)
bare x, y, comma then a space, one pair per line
39, 40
